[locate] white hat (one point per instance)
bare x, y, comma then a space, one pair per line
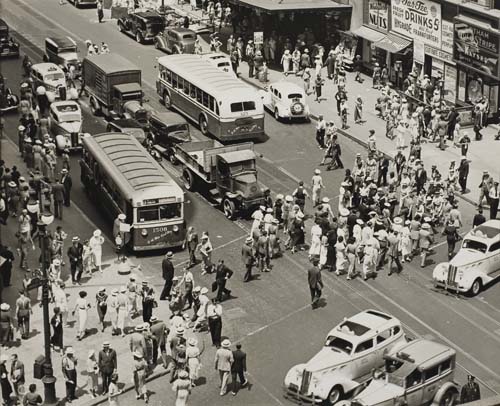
197, 289
279, 196
289, 198
204, 291
12, 184
70, 350
5, 306
64, 170
137, 354
75, 239
180, 330
123, 289
152, 319
226, 343
300, 215
269, 210
97, 233
344, 212
360, 222
398, 220
317, 171
426, 226
325, 199
139, 327
56, 262
122, 216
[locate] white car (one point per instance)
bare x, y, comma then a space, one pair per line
65, 123
285, 100
351, 351
476, 263
51, 77
221, 61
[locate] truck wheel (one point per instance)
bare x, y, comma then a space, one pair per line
167, 101
476, 287
202, 121
229, 209
189, 179
138, 37
449, 398
336, 394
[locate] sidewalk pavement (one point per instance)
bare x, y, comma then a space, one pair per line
483, 155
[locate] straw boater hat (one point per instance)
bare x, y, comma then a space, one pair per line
204, 291
192, 342
398, 220
137, 354
122, 216
344, 212
288, 198
97, 233
325, 200
5, 306
183, 374
317, 171
226, 343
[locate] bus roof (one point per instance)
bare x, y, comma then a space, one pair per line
130, 166
207, 77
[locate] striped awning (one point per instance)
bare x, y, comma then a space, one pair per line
368, 33
393, 43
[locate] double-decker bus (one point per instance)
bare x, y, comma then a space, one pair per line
121, 176
221, 104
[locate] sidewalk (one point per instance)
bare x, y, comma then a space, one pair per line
483, 155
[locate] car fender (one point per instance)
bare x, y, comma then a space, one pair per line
292, 372
437, 272
61, 142
442, 390
161, 41
325, 386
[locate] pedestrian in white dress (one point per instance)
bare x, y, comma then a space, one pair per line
315, 247
193, 354
317, 185
113, 391
323, 251
405, 243
82, 307
96, 242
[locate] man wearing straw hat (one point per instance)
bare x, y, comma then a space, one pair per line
223, 362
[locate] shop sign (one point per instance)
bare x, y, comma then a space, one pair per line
258, 37
378, 14
418, 51
484, 3
476, 47
438, 54
450, 83
419, 19
447, 36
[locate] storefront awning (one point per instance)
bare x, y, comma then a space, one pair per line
292, 5
393, 43
368, 33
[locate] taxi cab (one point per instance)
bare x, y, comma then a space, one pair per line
51, 77
285, 100
345, 362
476, 264
65, 122
420, 372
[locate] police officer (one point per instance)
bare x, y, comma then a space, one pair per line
470, 391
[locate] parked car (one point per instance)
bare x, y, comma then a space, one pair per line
142, 25
65, 123
78, 3
221, 61
168, 129
173, 20
285, 100
51, 77
129, 126
63, 51
476, 264
176, 41
351, 351
420, 372
140, 112
8, 45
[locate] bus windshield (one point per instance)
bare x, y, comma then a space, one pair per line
159, 212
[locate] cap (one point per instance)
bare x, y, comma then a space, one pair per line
122, 216
249, 239
226, 343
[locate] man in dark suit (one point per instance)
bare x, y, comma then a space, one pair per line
168, 275
159, 331
58, 193
248, 258
238, 369
463, 173
107, 365
75, 254
67, 185
315, 282
222, 274
420, 178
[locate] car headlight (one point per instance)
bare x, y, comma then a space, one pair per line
460, 274
144, 232
175, 228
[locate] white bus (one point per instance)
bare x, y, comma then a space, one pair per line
221, 104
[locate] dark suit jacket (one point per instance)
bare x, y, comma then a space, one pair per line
107, 361
421, 176
314, 277
463, 169
240, 361
58, 192
75, 253
247, 254
67, 182
167, 269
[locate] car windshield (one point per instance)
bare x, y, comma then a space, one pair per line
188, 36
222, 64
294, 96
339, 344
176, 128
67, 108
474, 245
159, 212
54, 76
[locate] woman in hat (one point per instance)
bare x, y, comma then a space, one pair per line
205, 248
340, 250
96, 242
82, 306
296, 230
4, 380
92, 374
101, 304
286, 60
140, 371
113, 391
182, 388
193, 354
316, 233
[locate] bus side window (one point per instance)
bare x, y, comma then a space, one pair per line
217, 108
211, 103
194, 89
174, 80
199, 95
180, 83
205, 99
168, 76
186, 86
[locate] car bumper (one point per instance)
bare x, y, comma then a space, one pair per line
9, 52
292, 393
250, 204
439, 283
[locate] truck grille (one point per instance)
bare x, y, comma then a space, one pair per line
452, 273
74, 140
306, 380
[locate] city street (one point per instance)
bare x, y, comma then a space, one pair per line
271, 316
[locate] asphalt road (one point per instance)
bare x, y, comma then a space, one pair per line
271, 315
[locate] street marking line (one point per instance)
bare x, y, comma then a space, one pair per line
255, 380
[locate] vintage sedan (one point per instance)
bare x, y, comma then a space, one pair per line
65, 123
141, 25
418, 373
63, 51
51, 77
129, 126
286, 100
476, 263
8, 46
176, 41
351, 351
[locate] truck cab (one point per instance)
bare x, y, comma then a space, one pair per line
123, 94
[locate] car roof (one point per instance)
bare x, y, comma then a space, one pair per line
147, 14
182, 30
46, 67
488, 230
364, 325
424, 353
61, 42
168, 117
54, 105
289, 87
126, 123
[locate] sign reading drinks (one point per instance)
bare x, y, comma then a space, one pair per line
378, 14
476, 47
419, 19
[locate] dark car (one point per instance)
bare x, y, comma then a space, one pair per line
8, 46
168, 129
78, 3
63, 51
129, 126
176, 41
143, 26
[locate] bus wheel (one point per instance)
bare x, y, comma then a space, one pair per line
202, 121
188, 178
229, 208
167, 101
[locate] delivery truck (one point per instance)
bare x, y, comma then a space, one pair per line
227, 173
111, 81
